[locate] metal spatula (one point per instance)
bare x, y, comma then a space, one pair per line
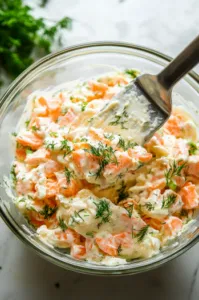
145, 104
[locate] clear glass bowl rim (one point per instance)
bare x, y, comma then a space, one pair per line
95, 270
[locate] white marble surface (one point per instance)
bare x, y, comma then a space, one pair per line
163, 25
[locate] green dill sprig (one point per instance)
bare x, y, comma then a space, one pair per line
69, 174
105, 155
174, 170
103, 211
65, 147
122, 193
83, 106
142, 233
120, 119
109, 136
90, 234
119, 249
22, 35
53, 134
125, 145
167, 202
13, 175
47, 211
62, 224
74, 218
192, 148
133, 73
50, 146
149, 206
129, 210
34, 128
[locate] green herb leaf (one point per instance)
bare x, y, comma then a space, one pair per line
149, 206
142, 233
174, 170
192, 148
53, 134
65, 147
48, 211
122, 193
167, 202
13, 175
105, 155
125, 145
120, 119
62, 224
129, 210
103, 211
90, 233
69, 174
132, 73
22, 34
83, 106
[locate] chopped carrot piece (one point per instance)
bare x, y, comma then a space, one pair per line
30, 139
189, 196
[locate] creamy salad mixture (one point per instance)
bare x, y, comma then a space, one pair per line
105, 199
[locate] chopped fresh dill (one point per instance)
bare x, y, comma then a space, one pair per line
192, 148
109, 136
149, 206
47, 211
74, 218
122, 193
14, 133
125, 145
132, 73
51, 145
53, 134
83, 139
167, 202
34, 128
103, 211
83, 106
69, 174
62, 224
13, 175
29, 151
119, 249
142, 233
141, 164
27, 123
174, 170
65, 147
129, 209
184, 213
105, 155
120, 119
90, 233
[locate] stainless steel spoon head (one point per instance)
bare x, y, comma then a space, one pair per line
136, 112
144, 105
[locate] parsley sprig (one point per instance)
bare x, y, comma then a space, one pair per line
21, 34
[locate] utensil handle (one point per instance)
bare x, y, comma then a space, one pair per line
180, 65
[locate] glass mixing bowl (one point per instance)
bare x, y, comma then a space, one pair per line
84, 61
